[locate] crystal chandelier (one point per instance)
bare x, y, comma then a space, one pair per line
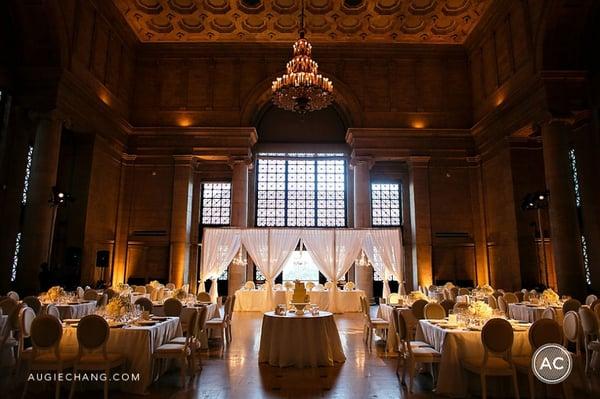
239, 260
362, 260
302, 89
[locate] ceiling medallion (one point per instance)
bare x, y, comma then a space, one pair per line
302, 89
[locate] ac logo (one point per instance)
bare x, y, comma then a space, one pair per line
552, 363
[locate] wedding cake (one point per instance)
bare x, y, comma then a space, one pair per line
299, 295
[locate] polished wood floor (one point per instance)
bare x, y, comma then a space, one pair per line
238, 375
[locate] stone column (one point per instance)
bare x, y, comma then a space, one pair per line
479, 225
119, 264
420, 227
362, 214
38, 213
239, 213
196, 194
181, 220
566, 244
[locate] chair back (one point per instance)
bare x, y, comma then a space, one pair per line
80, 292
202, 317
590, 299
170, 286
203, 297
92, 333
102, 300
492, 301
448, 305
463, 291
549, 313
418, 308
140, 289
145, 304
502, 305
526, 296
90, 295
497, 337
453, 293
402, 325
13, 295
52, 310
393, 298
509, 297
593, 304
544, 331
365, 309
496, 294
172, 307
597, 311
26, 317
46, 333
434, 311
149, 289
572, 330
519, 296
8, 305
110, 293
571, 305
34, 303
589, 323
159, 293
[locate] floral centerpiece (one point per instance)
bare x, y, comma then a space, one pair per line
55, 293
416, 295
480, 310
155, 284
349, 286
118, 306
288, 285
486, 289
123, 289
550, 297
180, 294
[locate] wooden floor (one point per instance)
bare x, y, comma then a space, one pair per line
238, 374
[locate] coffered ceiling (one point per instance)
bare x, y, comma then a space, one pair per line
388, 21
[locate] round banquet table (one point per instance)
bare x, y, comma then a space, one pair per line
305, 340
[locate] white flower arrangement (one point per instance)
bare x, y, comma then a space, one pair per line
55, 293
480, 310
310, 285
249, 285
118, 306
179, 293
487, 289
155, 284
289, 285
416, 295
549, 296
123, 288
349, 286
449, 285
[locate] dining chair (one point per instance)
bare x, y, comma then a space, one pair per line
453, 293
93, 333
597, 311
149, 289
573, 334
526, 296
140, 289
519, 296
53, 311
182, 352
80, 292
371, 324
463, 291
172, 307
589, 326
223, 324
26, 317
13, 295
492, 301
102, 300
8, 305
571, 305
590, 299
110, 293
203, 297
145, 304
448, 305
593, 304
7, 343
34, 303
413, 353
170, 286
509, 297
460, 306
497, 338
196, 332
46, 333
502, 305
549, 313
90, 295
434, 311
418, 307
541, 332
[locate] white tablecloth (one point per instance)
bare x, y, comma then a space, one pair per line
256, 300
454, 345
137, 345
386, 312
531, 313
300, 341
6, 354
76, 311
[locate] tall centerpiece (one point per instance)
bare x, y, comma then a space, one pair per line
299, 297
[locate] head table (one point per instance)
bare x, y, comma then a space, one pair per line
300, 340
256, 300
136, 343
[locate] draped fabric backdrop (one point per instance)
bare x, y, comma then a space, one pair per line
332, 250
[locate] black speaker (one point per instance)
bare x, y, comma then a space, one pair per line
102, 258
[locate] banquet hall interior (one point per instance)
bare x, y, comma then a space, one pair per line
299, 198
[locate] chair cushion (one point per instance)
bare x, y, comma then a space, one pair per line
178, 340
423, 351
494, 365
170, 348
417, 344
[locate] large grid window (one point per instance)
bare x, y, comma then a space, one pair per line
386, 207
301, 190
216, 204
579, 205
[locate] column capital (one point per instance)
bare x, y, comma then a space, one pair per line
361, 161
419, 161
237, 160
183, 160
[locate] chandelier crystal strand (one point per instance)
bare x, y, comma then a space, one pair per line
302, 89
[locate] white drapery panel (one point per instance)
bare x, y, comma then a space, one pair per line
376, 260
269, 248
219, 246
384, 250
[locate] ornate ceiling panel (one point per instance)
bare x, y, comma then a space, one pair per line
420, 21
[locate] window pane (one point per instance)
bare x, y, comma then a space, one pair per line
216, 204
385, 204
